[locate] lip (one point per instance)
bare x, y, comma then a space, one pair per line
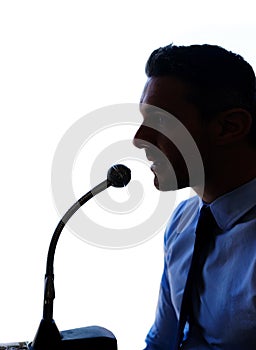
152, 156
156, 166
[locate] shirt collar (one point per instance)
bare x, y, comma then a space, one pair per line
230, 207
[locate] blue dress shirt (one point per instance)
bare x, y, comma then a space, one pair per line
225, 311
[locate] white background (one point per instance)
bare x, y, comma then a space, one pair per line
59, 61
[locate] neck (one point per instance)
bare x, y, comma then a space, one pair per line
227, 176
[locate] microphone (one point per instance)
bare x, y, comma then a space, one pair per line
48, 336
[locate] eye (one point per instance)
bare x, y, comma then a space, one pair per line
161, 120
156, 120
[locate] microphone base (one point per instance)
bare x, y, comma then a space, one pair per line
86, 338
47, 336
91, 338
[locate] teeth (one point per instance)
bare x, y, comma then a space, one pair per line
155, 165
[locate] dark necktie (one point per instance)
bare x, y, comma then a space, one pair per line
204, 238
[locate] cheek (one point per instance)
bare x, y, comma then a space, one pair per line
170, 150
204, 143
177, 163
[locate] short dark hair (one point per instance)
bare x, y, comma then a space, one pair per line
218, 79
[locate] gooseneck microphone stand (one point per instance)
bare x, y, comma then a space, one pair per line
48, 336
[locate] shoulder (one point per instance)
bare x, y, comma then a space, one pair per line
184, 214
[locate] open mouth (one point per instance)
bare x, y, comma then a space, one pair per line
157, 166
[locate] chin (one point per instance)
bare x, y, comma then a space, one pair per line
165, 185
169, 184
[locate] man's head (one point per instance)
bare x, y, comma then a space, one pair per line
211, 91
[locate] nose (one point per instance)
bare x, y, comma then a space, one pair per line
144, 136
137, 141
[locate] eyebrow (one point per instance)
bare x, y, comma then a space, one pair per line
146, 108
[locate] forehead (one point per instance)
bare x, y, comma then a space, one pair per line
168, 93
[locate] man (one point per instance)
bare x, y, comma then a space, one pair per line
211, 93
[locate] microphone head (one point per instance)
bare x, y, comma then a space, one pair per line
119, 175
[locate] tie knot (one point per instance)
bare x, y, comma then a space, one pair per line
205, 211
206, 223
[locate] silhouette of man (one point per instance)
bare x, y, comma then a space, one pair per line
211, 92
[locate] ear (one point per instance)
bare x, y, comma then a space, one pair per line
233, 126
